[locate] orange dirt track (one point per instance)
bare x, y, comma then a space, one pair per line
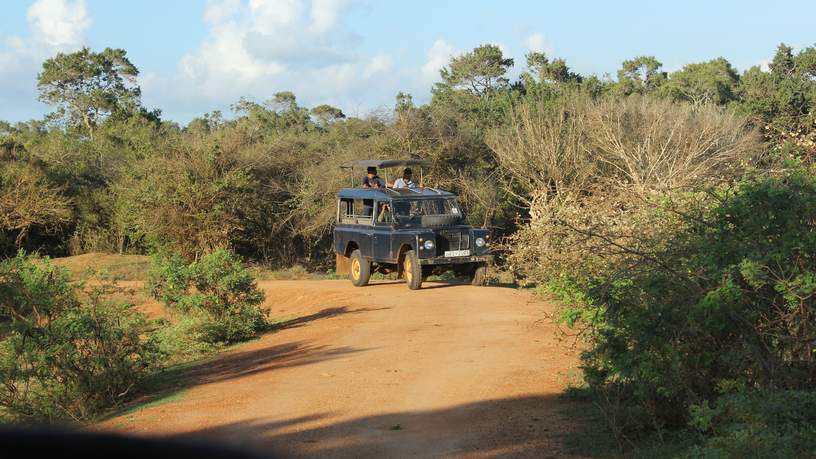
381, 371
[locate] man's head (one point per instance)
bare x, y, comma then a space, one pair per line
407, 173
371, 172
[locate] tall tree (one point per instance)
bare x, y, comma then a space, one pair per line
87, 86
479, 72
404, 103
783, 99
715, 81
555, 71
326, 114
782, 65
290, 114
640, 75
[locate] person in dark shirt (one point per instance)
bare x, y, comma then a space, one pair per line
372, 180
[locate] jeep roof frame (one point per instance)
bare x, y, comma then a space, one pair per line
385, 164
391, 194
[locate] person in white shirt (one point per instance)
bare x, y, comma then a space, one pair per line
405, 181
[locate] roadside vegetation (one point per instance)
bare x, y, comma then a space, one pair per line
670, 214
67, 351
71, 350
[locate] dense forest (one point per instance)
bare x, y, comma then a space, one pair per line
104, 173
670, 213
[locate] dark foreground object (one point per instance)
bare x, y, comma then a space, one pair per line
27, 443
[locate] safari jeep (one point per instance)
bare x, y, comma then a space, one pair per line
415, 232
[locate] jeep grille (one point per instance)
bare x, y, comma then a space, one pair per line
452, 240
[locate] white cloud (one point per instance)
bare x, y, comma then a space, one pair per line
59, 24
377, 65
439, 55
324, 14
224, 60
271, 14
536, 43
255, 48
53, 26
220, 10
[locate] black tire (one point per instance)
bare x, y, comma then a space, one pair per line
359, 269
479, 275
426, 272
412, 270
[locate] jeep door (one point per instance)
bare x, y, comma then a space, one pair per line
355, 224
381, 239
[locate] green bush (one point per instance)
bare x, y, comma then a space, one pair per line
217, 286
66, 356
763, 424
727, 301
181, 340
168, 280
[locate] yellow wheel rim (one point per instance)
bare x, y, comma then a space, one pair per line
355, 269
409, 275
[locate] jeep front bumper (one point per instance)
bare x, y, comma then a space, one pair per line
455, 260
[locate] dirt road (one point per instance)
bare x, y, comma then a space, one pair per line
381, 371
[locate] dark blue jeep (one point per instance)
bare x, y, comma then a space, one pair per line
413, 231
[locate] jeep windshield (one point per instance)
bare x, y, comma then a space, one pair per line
426, 211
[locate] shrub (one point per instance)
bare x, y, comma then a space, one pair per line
168, 279
727, 300
592, 173
760, 424
217, 286
620, 212
28, 200
181, 340
66, 356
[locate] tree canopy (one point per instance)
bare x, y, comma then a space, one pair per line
479, 72
87, 86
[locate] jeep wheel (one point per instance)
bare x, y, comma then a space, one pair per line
412, 270
479, 275
360, 269
426, 272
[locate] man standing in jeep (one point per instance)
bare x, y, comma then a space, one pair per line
405, 181
372, 180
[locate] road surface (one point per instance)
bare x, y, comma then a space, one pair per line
381, 371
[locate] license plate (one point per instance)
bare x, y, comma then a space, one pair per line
457, 253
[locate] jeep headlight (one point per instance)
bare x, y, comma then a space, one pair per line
428, 245
480, 242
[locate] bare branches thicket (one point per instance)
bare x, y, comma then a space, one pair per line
27, 200
591, 170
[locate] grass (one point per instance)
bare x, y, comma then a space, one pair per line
296, 272
122, 267
165, 399
594, 438
591, 437
135, 267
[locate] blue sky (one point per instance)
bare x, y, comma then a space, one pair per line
198, 56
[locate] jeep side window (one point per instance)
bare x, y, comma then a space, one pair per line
363, 214
384, 213
354, 212
345, 211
